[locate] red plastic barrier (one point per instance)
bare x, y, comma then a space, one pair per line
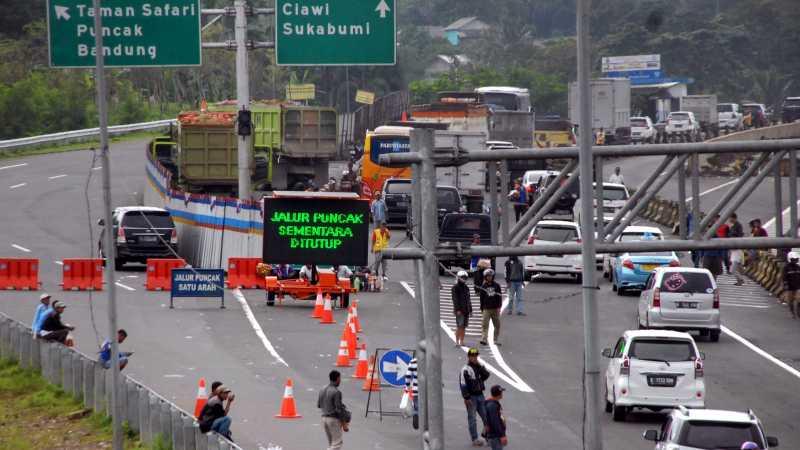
83, 274
242, 274
159, 273
19, 273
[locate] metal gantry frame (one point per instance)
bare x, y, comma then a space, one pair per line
424, 161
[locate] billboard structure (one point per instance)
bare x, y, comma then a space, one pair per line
633, 67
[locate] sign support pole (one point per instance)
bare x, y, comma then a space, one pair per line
110, 250
591, 362
242, 96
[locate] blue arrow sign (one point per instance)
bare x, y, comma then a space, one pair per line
393, 366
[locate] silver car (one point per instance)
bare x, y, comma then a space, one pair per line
681, 298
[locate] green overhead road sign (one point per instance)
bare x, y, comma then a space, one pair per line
335, 32
135, 33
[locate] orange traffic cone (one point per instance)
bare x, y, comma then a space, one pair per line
342, 359
202, 397
352, 339
362, 368
372, 381
318, 306
404, 117
327, 312
354, 308
288, 409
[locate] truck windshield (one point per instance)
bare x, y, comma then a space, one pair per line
502, 101
384, 145
707, 434
398, 187
447, 198
724, 108
462, 223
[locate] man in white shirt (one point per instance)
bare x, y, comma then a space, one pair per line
616, 177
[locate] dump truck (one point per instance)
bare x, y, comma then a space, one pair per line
291, 144
611, 108
704, 108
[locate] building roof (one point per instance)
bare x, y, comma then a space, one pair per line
463, 23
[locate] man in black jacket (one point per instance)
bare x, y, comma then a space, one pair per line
495, 422
791, 282
335, 416
491, 301
53, 329
471, 380
462, 306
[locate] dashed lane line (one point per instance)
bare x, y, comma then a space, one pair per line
124, 286
13, 166
715, 188
256, 327
17, 185
506, 374
21, 248
57, 176
761, 352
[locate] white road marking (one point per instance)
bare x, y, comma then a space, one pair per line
57, 176
15, 165
715, 188
173, 375
761, 352
256, 327
97, 168
123, 286
60, 263
20, 248
17, 185
512, 378
739, 305
770, 224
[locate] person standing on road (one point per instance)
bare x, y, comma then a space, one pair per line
791, 283
462, 306
42, 311
477, 274
723, 231
491, 301
214, 415
495, 422
335, 416
520, 198
378, 210
617, 177
735, 230
53, 329
515, 275
472, 380
380, 240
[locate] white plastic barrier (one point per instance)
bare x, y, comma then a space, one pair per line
211, 229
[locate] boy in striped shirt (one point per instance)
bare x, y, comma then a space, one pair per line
412, 386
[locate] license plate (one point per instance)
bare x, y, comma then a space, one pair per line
678, 125
688, 305
660, 381
148, 238
648, 267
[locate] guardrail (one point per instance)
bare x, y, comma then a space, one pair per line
146, 412
81, 135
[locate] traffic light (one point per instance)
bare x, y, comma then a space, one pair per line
245, 123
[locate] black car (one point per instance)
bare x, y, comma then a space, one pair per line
460, 228
791, 109
141, 232
397, 196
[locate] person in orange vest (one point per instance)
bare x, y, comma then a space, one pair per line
380, 240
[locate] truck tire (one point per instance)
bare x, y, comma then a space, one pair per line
119, 263
270, 298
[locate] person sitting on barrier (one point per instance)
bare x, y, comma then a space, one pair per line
105, 351
791, 283
53, 329
42, 311
214, 415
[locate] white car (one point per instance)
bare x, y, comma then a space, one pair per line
630, 233
554, 232
730, 116
692, 429
681, 298
682, 122
642, 130
654, 370
614, 198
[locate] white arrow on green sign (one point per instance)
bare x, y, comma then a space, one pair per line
335, 32
135, 33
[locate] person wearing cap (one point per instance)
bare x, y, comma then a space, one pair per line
462, 305
53, 329
791, 283
471, 381
495, 422
105, 351
214, 415
491, 301
42, 311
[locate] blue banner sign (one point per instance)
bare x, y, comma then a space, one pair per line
198, 283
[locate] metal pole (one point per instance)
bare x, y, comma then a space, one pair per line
793, 193
695, 161
505, 205
634, 200
517, 239
736, 189
110, 251
598, 196
593, 435
416, 230
430, 281
776, 175
242, 96
682, 228
541, 198
491, 166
